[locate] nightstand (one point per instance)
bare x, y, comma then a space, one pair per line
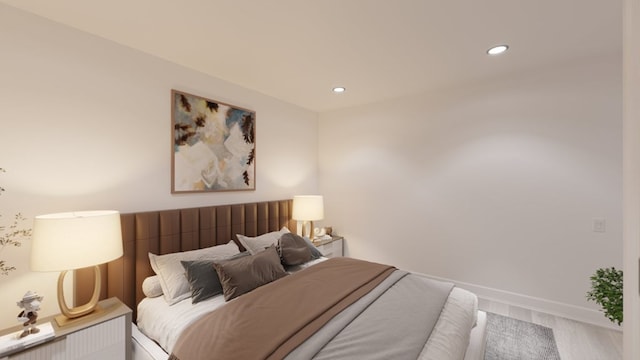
331, 247
102, 335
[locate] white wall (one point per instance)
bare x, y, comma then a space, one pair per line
631, 172
85, 124
493, 185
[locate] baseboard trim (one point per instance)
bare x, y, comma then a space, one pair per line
551, 307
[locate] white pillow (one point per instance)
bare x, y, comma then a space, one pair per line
151, 286
174, 283
257, 244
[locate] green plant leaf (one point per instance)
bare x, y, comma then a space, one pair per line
606, 290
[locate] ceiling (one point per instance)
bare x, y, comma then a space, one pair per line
297, 50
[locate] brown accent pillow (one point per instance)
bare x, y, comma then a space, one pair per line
293, 250
203, 278
239, 276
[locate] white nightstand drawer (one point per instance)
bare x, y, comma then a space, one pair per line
332, 247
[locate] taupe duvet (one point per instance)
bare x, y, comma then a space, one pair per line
339, 309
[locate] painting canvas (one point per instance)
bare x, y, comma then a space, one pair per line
214, 145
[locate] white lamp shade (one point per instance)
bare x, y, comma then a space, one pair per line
308, 207
74, 240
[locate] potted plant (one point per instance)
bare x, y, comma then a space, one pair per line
11, 236
606, 290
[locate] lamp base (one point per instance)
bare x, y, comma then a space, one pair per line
63, 321
78, 311
309, 228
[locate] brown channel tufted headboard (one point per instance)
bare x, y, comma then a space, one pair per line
169, 231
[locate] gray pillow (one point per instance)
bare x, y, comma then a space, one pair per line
293, 250
239, 276
172, 280
203, 278
315, 253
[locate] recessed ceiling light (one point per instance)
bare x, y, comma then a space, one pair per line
497, 49
339, 89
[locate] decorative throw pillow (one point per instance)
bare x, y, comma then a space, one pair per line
175, 286
315, 253
257, 244
242, 275
151, 286
293, 250
203, 278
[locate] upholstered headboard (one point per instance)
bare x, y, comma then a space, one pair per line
168, 231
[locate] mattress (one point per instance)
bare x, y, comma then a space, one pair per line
448, 340
164, 323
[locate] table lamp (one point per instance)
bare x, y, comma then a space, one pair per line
308, 208
74, 240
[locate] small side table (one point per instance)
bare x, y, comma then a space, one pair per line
333, 247
105, 334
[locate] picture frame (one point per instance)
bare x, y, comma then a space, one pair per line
213, 145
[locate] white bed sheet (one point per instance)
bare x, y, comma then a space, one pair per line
296, 268
164, 323
478, 340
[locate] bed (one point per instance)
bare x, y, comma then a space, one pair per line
387, 314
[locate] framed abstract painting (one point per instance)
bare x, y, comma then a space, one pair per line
214, 145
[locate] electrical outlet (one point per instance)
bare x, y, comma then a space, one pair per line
599, 225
